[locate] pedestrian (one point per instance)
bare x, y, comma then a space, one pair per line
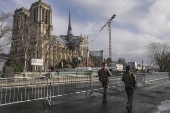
104, 75
130, 81
52, 69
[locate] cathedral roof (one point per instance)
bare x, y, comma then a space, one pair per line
22, 9
77, 41
40, 2
60, 40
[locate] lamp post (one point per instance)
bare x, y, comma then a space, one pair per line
147, 67
142, 65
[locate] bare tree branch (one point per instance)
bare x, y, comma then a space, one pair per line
157, 52
5, 29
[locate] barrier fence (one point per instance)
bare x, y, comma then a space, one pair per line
22, 89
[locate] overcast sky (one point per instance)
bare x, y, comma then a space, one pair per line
137, 23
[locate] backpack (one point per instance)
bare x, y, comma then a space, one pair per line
101, 74
129, 80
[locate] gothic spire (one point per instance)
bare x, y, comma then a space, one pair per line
69, 32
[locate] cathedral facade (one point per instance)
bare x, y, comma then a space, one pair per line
32, 38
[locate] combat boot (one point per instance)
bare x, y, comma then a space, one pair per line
128, 107
104, 99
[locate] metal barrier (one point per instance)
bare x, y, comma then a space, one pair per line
14, 90
48, 98
151, 78
21, 89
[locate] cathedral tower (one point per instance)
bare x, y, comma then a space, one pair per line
41, 14
20, 17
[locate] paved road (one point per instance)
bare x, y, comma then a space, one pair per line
146, 100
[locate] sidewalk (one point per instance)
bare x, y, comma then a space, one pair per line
79, 103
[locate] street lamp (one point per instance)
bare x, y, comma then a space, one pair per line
142, 65
147, 67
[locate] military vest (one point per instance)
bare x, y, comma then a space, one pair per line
128, 78
104, 73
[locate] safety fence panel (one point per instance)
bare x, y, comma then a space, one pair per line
64, 73
19, 89
65, 85
24, 74
150, 78
143, 79
140, 79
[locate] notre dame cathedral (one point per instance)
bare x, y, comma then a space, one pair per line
32, 39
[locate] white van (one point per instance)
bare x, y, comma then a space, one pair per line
83, 68
96, 68
112, 68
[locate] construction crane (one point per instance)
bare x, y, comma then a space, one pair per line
110, 44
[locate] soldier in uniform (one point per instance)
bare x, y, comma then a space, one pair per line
130, 81
103, 77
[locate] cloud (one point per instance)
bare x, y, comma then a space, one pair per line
137, 23
23, 3
156, 20
150, 17
125, 44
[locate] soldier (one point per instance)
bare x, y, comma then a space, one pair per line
103, 77
130, 81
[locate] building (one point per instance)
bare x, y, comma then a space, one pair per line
116, 66
119, 67
32, 39
133, 65
140, 68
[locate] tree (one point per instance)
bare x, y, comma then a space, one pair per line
5, 24
166, 61
65, 64
76, 61
62, 63
27, 37
109, 61
49, 46
68, 66
158, 53
72, 65
122, 61
5, 29
17, 64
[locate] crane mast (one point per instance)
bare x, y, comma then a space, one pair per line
110, 41
110, 38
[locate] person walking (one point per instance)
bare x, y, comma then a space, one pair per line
130, 81
104, 75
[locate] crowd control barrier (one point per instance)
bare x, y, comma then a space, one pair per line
48, 85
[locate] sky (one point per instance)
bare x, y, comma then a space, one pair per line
137, 23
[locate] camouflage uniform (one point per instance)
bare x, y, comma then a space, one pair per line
130, 80
103, 77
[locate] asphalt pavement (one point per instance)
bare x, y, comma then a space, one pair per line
146, 100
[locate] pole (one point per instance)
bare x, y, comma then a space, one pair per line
142, 65
62, 63
87, 59
109, 29
110, 42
